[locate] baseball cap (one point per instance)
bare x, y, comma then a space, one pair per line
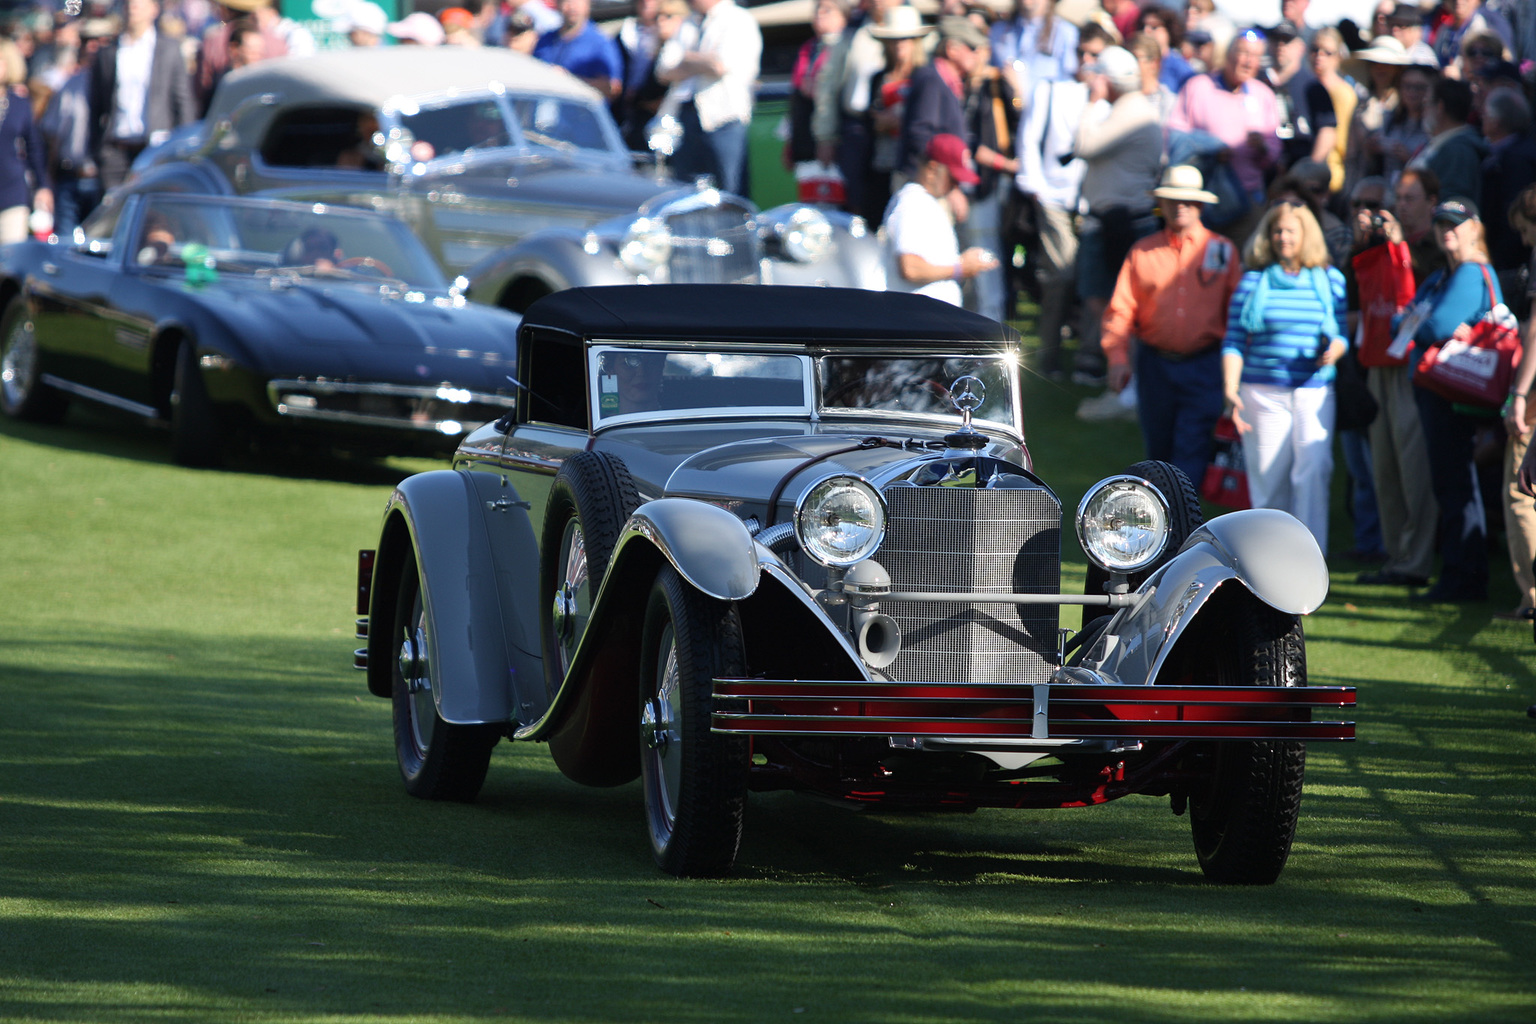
419, 27
1120, 66
950, 151
1456, 210
1285, 31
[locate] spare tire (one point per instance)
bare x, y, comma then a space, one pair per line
590, 501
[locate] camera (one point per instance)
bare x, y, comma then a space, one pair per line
1377, 222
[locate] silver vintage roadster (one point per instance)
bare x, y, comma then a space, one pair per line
764, 538
511, 170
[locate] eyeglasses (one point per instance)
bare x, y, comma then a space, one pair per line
1480, 52
1373, 205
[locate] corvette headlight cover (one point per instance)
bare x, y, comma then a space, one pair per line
1122, 524
840, 521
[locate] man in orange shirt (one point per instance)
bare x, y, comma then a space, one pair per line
1171, 297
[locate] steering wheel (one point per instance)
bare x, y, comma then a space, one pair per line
378, 267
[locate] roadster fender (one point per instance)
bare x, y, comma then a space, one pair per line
478, 646
1269, 552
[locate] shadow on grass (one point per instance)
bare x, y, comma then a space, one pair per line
200, 831
87, 429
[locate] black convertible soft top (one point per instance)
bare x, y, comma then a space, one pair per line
751, 312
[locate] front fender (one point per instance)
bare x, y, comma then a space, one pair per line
475, 661
708, 546
556, 259
1270, 553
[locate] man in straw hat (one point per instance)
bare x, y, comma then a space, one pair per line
1172, 296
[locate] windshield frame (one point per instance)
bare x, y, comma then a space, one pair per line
1008, 360
597, 349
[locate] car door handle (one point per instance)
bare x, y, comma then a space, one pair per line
51, 269
507, 505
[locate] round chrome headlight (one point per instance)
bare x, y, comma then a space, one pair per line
840, 521
1122, 523
647, 245
806, 235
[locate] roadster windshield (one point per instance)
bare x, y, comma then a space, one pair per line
448, 129
861, 384
649, 383
203, 238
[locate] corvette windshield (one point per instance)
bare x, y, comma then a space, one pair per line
854, 384
199, 238
450, 129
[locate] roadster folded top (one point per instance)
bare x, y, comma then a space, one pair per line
789, 538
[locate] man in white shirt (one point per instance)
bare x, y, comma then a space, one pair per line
1050, 175
139, 93
719, 75
922, 252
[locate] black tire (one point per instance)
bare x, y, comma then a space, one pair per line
1184, 518
23, 395
438, 761
196, 438
1244, 817
695, 781
592, 497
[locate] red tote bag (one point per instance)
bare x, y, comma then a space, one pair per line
1475, 365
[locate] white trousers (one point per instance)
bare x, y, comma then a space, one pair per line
1289, 452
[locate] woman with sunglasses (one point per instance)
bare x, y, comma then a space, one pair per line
1447, 299
1284, 336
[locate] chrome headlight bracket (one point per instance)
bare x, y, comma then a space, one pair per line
1123, 524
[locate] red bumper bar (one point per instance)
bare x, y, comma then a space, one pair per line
1044, 712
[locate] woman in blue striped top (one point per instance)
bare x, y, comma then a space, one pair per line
1283, 339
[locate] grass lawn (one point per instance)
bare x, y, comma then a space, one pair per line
201, 819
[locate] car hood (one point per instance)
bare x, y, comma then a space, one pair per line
751, 470
352, 332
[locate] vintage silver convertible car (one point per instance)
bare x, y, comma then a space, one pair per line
790, 538
512, 172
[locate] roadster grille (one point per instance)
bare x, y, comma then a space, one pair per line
959, 539
713, 246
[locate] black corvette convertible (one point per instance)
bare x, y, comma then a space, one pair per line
223, 316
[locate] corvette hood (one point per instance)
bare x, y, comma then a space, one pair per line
352, 332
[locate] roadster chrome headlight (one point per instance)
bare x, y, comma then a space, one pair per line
840, 521
806, 235
1122, 523
647, 245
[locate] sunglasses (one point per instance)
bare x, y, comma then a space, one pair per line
1484, 54
1373, 205
1288, 203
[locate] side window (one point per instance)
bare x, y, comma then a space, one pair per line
94, 237
557, 379
322, 137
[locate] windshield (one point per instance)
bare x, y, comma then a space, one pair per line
632, 383
448, 129
201, 238
854, 384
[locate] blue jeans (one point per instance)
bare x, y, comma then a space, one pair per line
721, 153
73, 200
1179, 402
1449, 436
1362, 492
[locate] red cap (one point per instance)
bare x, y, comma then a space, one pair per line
950, 151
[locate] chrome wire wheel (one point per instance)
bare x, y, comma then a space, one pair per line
573, 594
416, 677
661, 738
18, 365
438, 760
694, 781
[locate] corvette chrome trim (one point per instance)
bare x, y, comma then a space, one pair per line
127, 405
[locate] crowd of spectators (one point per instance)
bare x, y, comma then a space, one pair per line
1215, 216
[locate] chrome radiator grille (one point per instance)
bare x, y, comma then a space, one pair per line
713, 246
967, 539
